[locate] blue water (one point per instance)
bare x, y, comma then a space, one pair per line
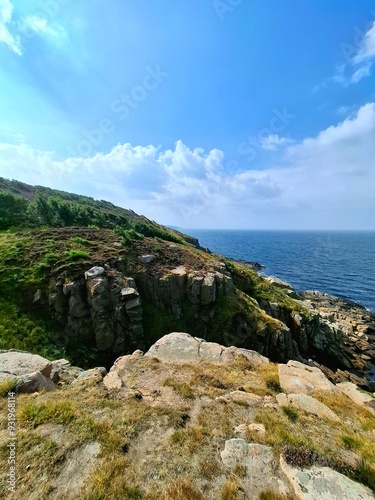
339, 263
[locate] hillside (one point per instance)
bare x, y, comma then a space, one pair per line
89, 281
95, 286
187, 420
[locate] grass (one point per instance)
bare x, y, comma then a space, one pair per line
230, 490
58, 412
271, 495
73, 255
79, 240
182, 389
290, 412
158, 448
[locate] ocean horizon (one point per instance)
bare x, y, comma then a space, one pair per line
337, 262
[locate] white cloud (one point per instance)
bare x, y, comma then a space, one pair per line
367, 49
360, 60
12, 41
273, 142
325, 181
39, 26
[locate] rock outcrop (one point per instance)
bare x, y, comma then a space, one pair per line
103, 304
298, 378
316, 483
183, 348
259, 465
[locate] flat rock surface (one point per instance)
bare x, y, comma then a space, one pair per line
262, 472
323, 483
76, 469
358, 397
309, 405
297, 378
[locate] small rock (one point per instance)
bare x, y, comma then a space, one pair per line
34, 382
257, 428
129, 293
94, 272
145, 259
358, 397
23, 363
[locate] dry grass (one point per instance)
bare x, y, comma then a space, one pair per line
231, 490
162, 448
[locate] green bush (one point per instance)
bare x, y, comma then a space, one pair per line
290, 413
79, 240
73, 255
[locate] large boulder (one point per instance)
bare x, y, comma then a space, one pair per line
359, 397
181, 347
29, 372
21, 363
297, 378
318, 483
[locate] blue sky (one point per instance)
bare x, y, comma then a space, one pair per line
217, 113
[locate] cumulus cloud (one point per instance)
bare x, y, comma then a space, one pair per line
6, 36
323, 181
273, 142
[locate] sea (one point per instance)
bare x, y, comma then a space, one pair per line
340, 263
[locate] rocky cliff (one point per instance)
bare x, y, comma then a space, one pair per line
131, 300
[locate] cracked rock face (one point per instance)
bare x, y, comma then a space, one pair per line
103, 304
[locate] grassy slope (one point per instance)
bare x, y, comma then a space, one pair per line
32, 257
181, 435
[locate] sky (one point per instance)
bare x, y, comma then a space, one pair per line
233, 114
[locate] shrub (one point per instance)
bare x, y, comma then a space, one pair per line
290, 413
79, 240
73, 255
273, 384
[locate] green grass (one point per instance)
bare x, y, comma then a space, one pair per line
79, 240
74, 255
57, 412
182, 389
290, 412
